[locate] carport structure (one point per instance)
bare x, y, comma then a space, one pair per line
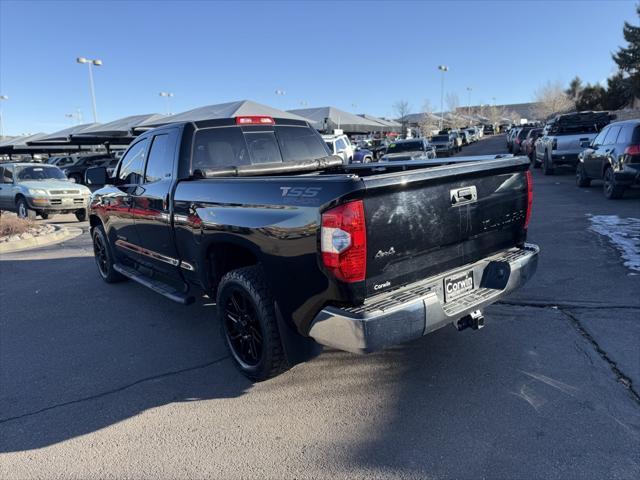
327, 119
23, 146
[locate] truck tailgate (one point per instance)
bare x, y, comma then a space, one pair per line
424, 222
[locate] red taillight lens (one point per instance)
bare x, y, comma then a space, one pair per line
529, 198
632, 150
254, 120
344, 242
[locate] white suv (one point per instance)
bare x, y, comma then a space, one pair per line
340, 146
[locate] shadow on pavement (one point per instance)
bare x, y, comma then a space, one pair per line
68, 338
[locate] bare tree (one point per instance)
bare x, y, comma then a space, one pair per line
453, 102
402, 109
429, 123
550, 100
513, 116
495, 114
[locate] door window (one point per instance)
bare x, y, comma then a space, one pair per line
610, 139
340, 145
600, 138
6, 175
132, 166
625, 135
160, 160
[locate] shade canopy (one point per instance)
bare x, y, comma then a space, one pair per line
61, 136
330, 118
392, 125
222, 110
123, 127
10, 146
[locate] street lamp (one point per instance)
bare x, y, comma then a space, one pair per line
167, 95
469, 102
90, 63
443, 69
2, 98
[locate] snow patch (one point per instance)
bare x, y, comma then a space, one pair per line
623, 233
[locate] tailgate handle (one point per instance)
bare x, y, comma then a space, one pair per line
464, 195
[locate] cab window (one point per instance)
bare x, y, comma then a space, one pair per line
132, 166
160, 160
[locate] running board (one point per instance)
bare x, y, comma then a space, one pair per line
157, 286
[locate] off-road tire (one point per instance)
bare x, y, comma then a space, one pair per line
251, 281
105, 270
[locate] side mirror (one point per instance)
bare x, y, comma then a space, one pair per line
585, 143
96, 176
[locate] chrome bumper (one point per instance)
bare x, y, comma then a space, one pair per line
419, 308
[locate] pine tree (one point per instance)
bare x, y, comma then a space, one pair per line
628, 58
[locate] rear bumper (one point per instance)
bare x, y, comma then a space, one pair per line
628, 175
418, 309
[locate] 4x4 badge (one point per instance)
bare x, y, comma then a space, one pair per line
387, 253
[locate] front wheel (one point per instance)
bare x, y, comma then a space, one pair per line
249, 325
104, 257
46, 216
23, 210
81, 215
611, 189
582, 180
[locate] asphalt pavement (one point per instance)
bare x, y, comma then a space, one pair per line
112, 381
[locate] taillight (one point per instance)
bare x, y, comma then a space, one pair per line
254, 120
527, 217
632, 150
343, 241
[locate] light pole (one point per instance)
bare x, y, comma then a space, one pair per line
2, 99
90, 63
443, 69
167, 95
469, 102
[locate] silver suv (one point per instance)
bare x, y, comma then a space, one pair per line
31, 189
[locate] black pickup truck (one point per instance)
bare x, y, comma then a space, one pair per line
300, 250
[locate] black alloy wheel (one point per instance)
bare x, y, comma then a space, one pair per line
242, 328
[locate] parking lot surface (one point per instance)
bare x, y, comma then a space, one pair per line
101, 381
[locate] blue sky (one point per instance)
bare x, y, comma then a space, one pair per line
323, 53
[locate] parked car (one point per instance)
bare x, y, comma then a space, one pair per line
488, 129
444, 144
62, 162
565, 136
415, 149
511, 137
362, 155
457, 138
340, 146
473, 134
518, 140
612, 156
301, 250
31, 189
465, 136
528, 144
75, 172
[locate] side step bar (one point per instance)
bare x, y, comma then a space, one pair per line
159, 287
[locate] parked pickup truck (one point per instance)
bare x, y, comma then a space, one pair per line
299, 249
565, 136
404, 150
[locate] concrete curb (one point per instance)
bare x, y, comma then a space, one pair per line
60, 235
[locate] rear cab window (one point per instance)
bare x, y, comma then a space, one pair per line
232, 146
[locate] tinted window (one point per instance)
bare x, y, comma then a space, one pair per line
612, 135
132, 166
406, 146
440, 138
340, 144
330, 145
600, 137
636, 135
263, 147
160, 160
625, 135
220, 147
300, 143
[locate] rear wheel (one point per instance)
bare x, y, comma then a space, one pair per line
582, 180
611, 189
23, 210
45, 215
547, 165
249, 325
